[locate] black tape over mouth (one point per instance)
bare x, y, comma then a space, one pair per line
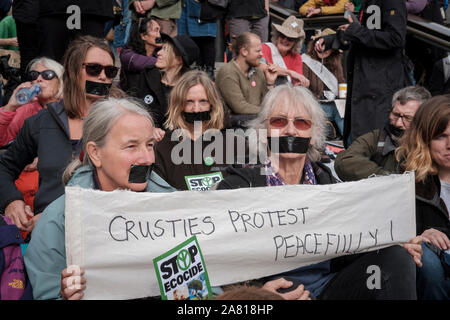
139, 173
191, 117
289, 144
97, 88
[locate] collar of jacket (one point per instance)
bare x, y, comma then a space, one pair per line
389, 144
56, 109
84, 177
429, 192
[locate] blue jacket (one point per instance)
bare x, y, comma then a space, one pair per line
189, 22
45, 256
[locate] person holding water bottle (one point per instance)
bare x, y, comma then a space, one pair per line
54, 134
46, 77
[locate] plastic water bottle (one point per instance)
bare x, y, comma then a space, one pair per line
24, 95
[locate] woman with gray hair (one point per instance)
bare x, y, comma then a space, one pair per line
294, 123
45, 72
282, 54
117, 154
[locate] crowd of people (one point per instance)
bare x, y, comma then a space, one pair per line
90, 126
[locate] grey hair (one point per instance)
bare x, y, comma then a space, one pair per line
275, 34
52, 65
411, 93
293, 96
97, 125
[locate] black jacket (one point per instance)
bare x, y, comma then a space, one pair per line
251, 177
151, 91
25, 11
46, 136
376, 66
431, 211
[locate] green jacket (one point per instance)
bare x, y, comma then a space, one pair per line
163, 9
359, 161
45, 256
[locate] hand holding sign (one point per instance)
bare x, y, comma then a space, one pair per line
73, 283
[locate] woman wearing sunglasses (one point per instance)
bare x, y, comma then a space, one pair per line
47, 73
53, 135
283, 53
295, 123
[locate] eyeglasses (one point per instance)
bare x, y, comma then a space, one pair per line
94, 69
281, 122
46, 74
202, 103
405, 118
287, 38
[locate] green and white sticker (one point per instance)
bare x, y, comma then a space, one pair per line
181, 273
203, 182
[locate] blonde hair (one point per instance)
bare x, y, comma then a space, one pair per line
430, 121
177, 101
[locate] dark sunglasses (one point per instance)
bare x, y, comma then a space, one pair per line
94, 69
287, 38
46, 74
281, 122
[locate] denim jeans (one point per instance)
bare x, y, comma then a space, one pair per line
122, 31
333, 115
431, 282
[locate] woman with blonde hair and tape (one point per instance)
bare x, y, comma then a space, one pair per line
195, 120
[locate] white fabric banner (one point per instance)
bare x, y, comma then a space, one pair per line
244, 234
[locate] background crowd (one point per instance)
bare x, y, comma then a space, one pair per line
123, 82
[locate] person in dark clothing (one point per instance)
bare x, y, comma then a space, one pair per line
195, 121
25, 14
53, 134
248, 16
425, 149
155, 82
57, 23
294, 119
139, 52
376, 66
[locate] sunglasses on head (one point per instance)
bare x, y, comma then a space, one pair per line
94, 69
46, 74
281, 122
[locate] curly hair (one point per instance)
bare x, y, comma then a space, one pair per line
430, 121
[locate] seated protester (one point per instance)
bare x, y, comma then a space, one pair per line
283, 53
139, 52
324, 71
155, 82
294, 119
425, 148
319, 7
47, 73
107, 160
241, 83
374, 152
53, 135
195, 118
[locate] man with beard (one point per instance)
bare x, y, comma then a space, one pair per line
374, 152
240, 82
